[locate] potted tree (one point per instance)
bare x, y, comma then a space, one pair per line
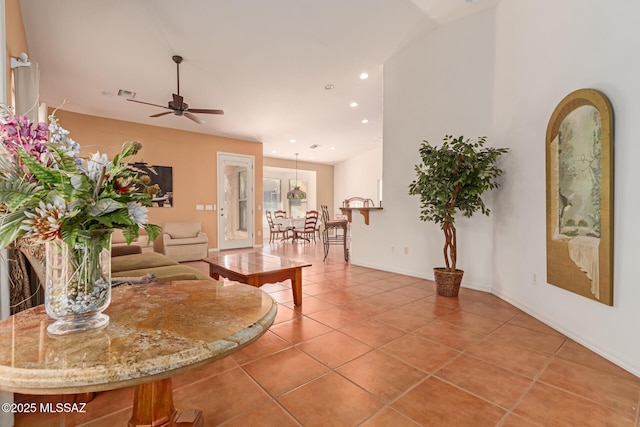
451, 178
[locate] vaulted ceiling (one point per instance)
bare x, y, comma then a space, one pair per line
266, 63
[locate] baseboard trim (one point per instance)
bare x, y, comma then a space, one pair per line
465, 283
584, 341
575, 337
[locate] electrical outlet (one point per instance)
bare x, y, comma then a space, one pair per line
199, 207
208, 207
406, 250
534, 279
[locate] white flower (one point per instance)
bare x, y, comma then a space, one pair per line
138, 213
60, 137
97, 162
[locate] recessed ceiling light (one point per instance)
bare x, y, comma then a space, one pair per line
365, 121
328, 86
311, 157
332, 148
364, 76
353, 104
291, 141
274, 151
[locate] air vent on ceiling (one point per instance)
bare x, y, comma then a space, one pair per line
314, 146
126, 93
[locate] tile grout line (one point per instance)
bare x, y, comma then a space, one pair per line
272, 398
533, 383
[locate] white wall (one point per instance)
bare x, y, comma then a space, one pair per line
441, 84
546, 49
357, 177
501, 74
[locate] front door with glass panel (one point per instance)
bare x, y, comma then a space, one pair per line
235, 201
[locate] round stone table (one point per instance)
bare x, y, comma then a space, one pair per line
155, 331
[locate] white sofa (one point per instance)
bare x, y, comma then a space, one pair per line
184, 241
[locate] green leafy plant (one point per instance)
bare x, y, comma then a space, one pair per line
47, 191
451, 178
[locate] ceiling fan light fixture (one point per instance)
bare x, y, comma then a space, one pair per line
177, 104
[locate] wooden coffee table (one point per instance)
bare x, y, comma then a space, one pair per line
257, 269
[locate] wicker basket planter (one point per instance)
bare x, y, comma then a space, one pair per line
447, 282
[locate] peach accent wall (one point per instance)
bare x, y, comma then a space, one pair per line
324, 177
16, 37
192, 155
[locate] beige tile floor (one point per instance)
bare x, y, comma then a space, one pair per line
374, 348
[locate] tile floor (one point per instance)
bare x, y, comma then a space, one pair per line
374, 348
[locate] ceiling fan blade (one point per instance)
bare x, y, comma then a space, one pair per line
148, 103
204, 111
178, 102
194, 118
161, 114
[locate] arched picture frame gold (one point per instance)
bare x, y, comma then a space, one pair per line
579, 176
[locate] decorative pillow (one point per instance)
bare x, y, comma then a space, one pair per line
183, 234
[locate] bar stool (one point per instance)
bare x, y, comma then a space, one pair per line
334, 233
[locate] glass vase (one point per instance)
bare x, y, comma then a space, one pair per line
78, 282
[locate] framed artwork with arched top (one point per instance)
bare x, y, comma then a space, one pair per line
579, 165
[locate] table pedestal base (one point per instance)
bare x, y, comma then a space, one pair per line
153, 407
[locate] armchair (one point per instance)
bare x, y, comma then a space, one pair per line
183, 241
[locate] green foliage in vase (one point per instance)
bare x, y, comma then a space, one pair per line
452, 178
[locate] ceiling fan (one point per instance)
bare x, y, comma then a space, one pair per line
177, 105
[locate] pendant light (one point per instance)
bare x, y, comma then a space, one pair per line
296, 192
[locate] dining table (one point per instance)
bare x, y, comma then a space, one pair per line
155, 331
289, 223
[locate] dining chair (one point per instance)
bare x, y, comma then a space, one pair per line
280, 214
307, 232
275, 229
